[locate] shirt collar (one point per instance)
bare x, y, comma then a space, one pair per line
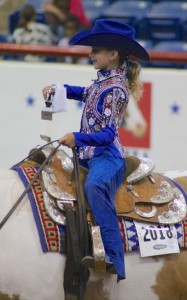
105, 74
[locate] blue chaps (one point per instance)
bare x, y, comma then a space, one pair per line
105, 175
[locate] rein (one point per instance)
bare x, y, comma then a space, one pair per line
35, 151
83, 233
8, 215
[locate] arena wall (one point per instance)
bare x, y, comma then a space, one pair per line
163, 109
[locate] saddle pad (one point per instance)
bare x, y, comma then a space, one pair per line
53, 236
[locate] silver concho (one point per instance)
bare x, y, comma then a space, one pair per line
165, 193
177, 209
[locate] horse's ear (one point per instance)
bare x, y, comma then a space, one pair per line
37, 156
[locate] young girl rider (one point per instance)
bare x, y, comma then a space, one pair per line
98, 144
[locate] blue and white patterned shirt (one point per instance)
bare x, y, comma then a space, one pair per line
105, 101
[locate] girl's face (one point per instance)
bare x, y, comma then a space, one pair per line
103, 58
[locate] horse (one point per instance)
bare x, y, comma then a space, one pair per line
32, 274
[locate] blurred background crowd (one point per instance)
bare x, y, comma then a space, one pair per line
161, 25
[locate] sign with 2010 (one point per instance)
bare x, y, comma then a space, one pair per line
156, 239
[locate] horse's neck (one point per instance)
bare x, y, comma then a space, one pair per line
10, 188
6, 174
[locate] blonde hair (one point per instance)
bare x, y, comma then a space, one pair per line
133, 75
135, 83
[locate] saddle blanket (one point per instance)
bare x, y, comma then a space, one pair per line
53, 236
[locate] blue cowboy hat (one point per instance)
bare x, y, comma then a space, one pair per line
111, 34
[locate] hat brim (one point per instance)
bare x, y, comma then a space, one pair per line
111, 40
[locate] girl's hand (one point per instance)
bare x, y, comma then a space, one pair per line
47, 90
68, 140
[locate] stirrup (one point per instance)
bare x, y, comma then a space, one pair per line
89, 262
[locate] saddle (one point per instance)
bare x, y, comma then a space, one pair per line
143, 195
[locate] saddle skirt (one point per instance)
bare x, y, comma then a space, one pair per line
143, 195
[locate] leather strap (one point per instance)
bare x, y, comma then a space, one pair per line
76, 275
73, 238
83, 226
73, 259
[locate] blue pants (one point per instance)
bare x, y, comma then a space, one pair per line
105, 174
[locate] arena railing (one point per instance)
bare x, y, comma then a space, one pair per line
56, 51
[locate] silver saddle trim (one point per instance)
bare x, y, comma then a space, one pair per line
177, 209
176, 213
66, 161
49, 179
53, 190
145, 168
165, 193
52, 210
150, 214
